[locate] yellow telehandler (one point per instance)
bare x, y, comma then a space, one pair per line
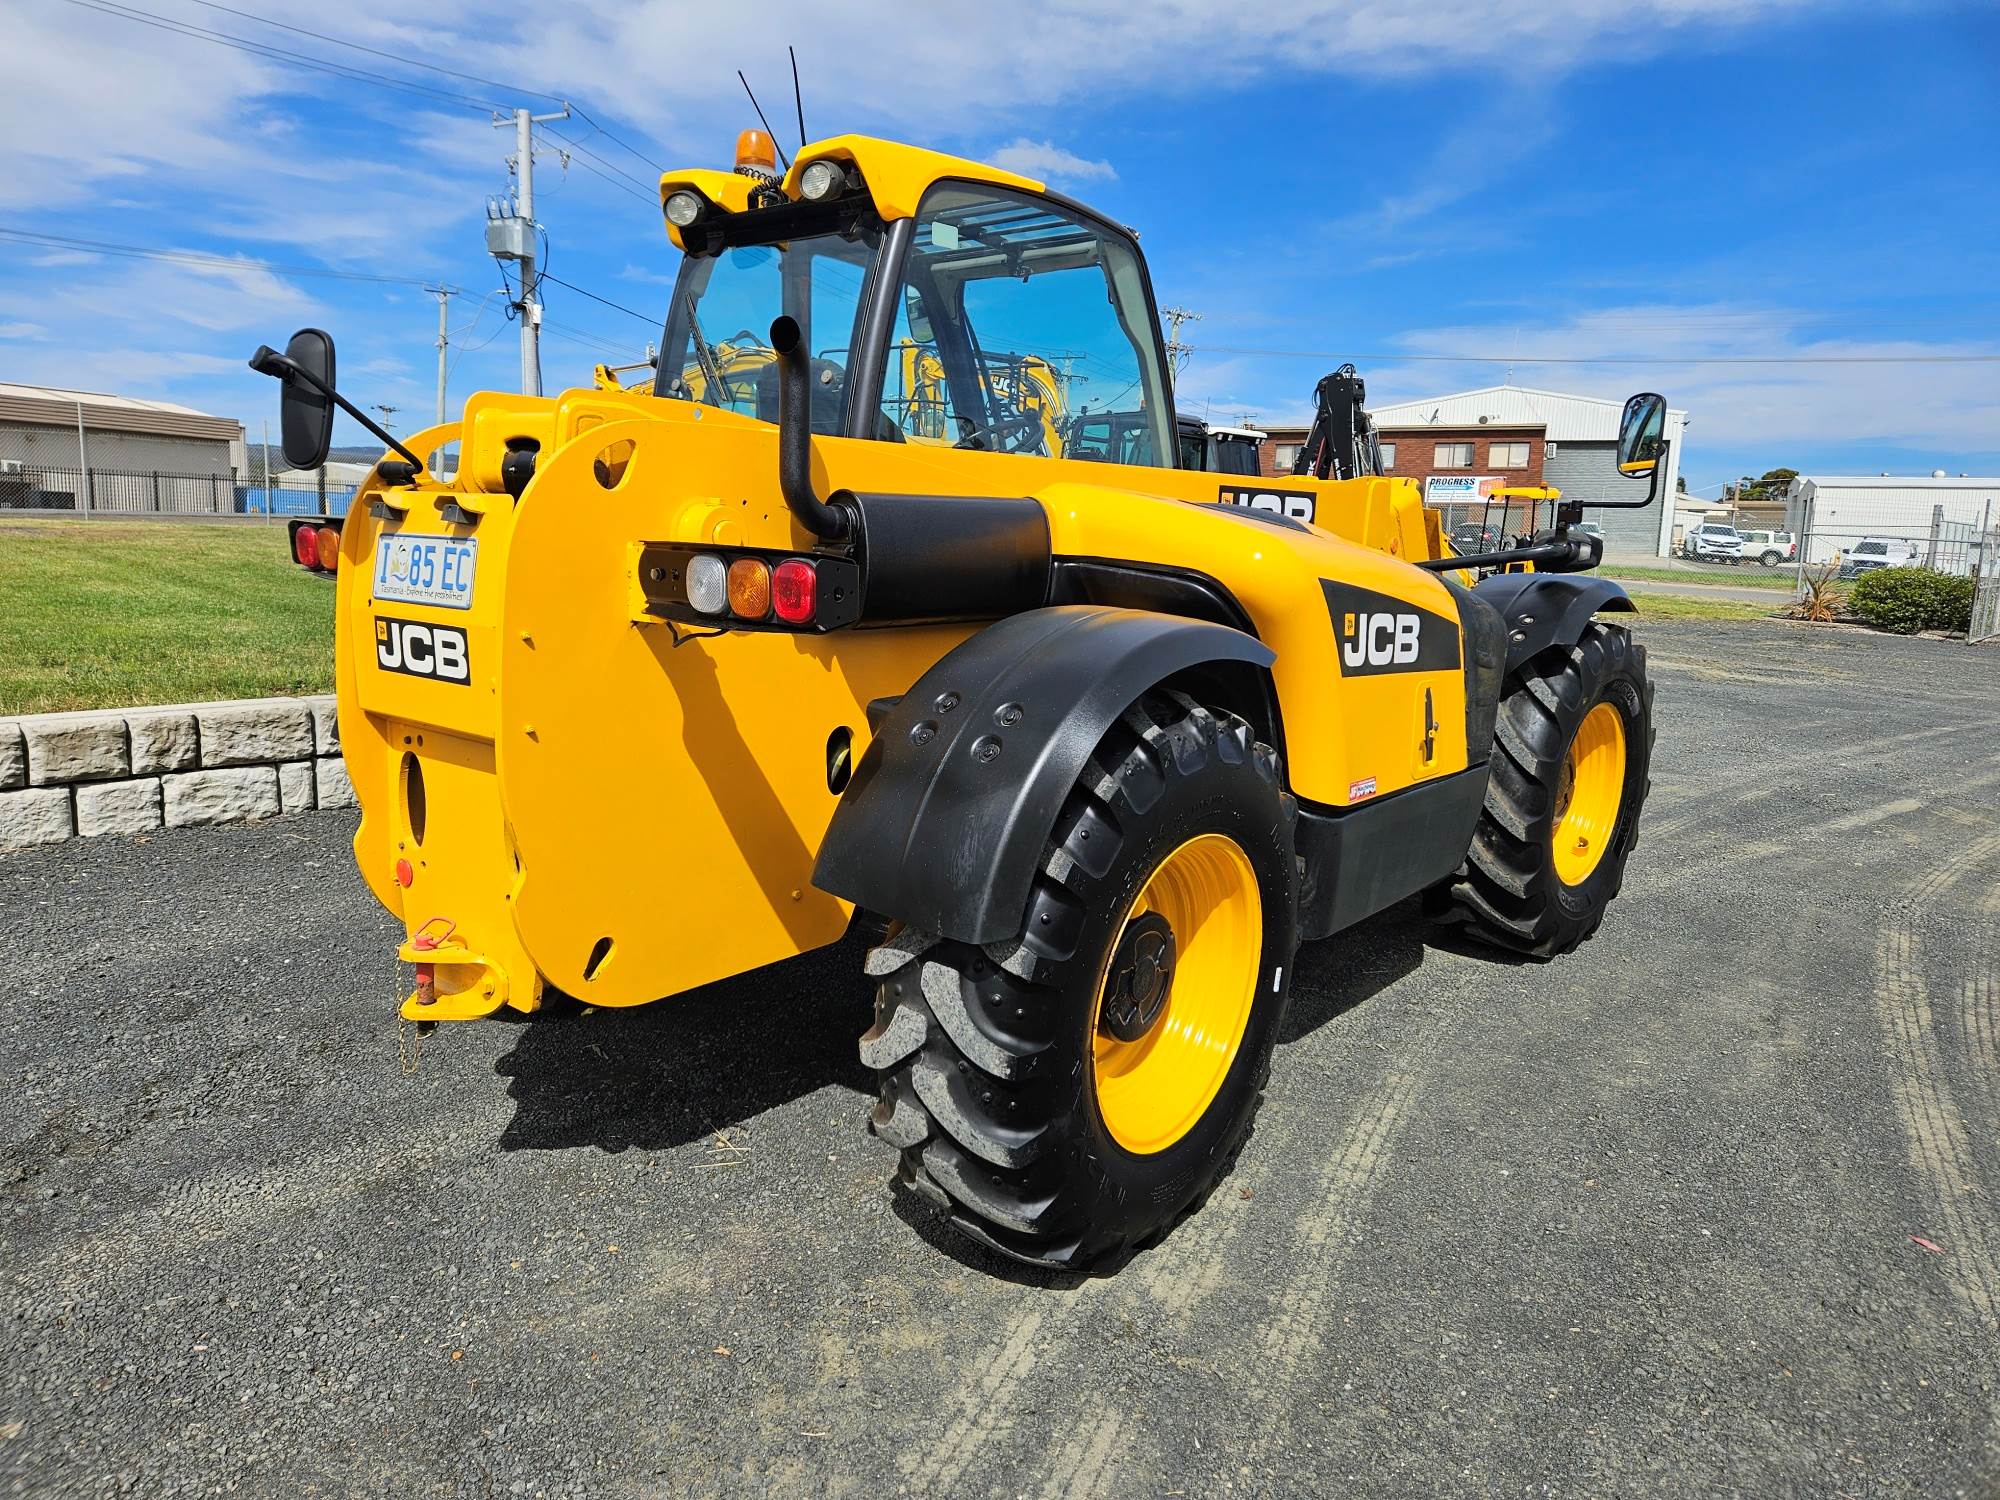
892, 607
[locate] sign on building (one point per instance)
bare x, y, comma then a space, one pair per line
1460, 489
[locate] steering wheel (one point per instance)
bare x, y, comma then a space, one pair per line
1007, 434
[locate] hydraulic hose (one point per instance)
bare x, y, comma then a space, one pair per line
795, 436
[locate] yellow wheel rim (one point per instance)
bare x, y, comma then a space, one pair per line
1152, 1089
1590, 793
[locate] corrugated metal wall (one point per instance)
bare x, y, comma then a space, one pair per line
55, 448
1589, 472
1841, 515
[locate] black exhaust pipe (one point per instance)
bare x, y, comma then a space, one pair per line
795, 436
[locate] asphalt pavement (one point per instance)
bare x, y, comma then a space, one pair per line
1706, 1208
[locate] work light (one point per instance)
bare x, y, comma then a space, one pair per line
683, 208
822, 180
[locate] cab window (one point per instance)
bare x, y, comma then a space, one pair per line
1023, 328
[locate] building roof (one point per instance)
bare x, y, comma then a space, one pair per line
1564, 418
1897, 482
53, 406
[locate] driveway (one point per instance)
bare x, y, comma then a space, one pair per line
1712, 1206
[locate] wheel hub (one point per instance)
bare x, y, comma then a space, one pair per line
1141, 978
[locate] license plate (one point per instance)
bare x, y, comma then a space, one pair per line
435, 570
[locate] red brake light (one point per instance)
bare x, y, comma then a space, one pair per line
328, 547
305, 546
794, 591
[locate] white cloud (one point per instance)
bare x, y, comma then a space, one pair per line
1047, 162
1837, 399
33, 331
93, 98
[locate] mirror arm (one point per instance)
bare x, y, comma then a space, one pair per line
270, 362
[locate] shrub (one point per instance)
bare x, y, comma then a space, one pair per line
1820, 599
1907, 600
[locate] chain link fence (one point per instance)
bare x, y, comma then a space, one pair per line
155, 492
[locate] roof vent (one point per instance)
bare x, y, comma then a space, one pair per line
1939, 474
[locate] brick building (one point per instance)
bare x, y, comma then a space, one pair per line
1458, 447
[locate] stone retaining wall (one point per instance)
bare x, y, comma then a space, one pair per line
129, 770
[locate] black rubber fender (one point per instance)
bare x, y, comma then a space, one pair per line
954, 797
1541, 610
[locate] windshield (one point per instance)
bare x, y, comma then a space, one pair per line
717, 347
1024, 327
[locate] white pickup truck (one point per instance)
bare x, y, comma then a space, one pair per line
1874, 552
1713, 541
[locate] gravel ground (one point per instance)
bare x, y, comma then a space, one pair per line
1706, 1208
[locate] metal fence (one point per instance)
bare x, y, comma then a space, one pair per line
154, 492
1986, 595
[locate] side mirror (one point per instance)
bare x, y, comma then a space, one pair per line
305, 406
919, 320
1642, 435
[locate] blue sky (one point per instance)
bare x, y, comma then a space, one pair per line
1659, 180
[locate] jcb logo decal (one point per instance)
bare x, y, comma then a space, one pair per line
1381, 633
1381, 640
1296, 505
419, 650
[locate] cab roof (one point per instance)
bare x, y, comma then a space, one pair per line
897, 176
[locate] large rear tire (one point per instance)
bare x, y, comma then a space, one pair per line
1570, 772
1069, 1094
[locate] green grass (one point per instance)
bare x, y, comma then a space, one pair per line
106, 614
1687, 607
1744, 576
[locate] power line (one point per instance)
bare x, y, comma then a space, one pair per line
615, 175
394, 57
647, 318
1619, 359
133, 13
276, 54
199, 258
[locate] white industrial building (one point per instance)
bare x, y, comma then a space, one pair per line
1945, 515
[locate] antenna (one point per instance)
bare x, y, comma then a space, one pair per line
797, 97
762, 121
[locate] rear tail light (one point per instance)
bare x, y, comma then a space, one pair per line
328, 547
750, 588
738, 588
305, 546
794, 591
707, 585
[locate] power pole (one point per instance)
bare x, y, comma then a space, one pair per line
524, 249
444, 294
1177, 352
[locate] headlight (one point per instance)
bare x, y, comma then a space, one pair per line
822, 180
683, 208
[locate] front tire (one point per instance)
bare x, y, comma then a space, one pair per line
1570, 772
1069, 1094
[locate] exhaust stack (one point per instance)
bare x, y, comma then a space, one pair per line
795, 436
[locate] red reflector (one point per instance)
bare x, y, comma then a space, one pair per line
329, 547
404, 874
305, 546
794, 591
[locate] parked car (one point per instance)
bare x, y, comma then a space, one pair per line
1873, 552
1713, 541
1468, 537
1771, 547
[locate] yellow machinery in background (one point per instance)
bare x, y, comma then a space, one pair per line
896, 614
